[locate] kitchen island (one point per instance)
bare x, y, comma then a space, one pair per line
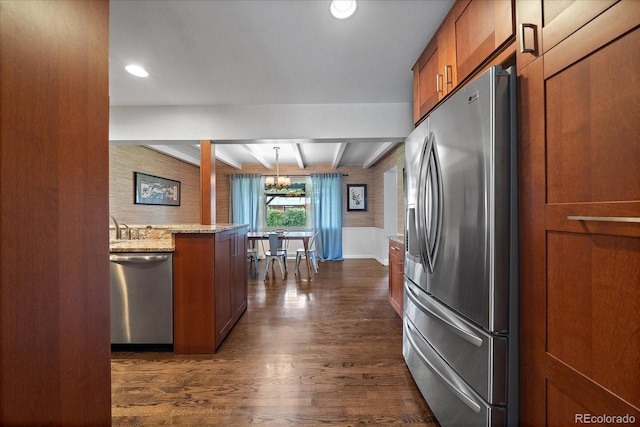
209, 279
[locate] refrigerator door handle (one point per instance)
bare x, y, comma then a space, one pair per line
458, 328
429, 234
421, 189
445, 373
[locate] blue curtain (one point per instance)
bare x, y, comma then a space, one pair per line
327, 214
244, 206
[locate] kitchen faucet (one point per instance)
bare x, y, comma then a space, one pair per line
117, 227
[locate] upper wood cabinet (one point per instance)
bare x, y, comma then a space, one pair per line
434, 74
481, 27
472, 32
542, 24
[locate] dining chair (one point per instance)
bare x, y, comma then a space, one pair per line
312, 253
276, 252
252, 256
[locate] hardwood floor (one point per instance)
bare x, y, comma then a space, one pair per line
325, 352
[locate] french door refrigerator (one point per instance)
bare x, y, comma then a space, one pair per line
460, 296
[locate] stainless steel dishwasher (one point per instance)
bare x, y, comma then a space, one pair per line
141, 298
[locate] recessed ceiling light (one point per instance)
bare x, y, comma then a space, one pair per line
342, 9
136, 70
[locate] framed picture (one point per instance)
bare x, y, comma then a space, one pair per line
153, 190
356, 197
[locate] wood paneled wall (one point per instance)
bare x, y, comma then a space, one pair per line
54, 265
124, 160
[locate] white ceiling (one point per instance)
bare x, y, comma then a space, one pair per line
255, 52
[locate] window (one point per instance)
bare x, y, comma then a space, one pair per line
287, 207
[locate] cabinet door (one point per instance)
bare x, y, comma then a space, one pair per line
447, 54
427, 81
481, 28
542, 24
193, 293
223, 311
239, 284
580, 206
396, 276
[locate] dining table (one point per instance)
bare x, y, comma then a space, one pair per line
302, 235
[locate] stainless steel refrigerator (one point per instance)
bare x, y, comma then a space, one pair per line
460, 295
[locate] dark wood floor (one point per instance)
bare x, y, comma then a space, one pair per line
325, 352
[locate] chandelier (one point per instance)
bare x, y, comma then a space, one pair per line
278, 181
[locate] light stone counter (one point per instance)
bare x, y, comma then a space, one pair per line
159, 238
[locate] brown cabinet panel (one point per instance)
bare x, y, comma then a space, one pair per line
193, 278
240, 266
537, 34
479, 30
572, 394
396, 276
224, 280
532, 242
468, 37
579, 151
210, 288
593, 147
54, 207
593, 308
426, 86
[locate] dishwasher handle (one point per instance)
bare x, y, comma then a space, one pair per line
138, 259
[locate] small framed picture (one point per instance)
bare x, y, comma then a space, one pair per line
153, 190
356, 197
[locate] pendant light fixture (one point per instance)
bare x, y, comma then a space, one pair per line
278, 182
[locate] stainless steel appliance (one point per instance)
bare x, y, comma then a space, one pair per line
141, 298
460, 299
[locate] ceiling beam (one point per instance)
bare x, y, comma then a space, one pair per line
257, 156
338, 155
378, 154
297, 151
228, 160
164, 149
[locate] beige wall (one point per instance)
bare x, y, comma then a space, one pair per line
126, 159
394, 158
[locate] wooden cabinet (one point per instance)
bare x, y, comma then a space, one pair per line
580, 265
54, 172
434, 74
396, 275
542, 24
481, 27
471, 33
230, 293
210, 288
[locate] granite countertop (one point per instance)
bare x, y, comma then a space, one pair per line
166, 244
399, 238
144, 245
199, 228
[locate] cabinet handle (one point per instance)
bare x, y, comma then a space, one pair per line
523, 48
604, 218
448, 73
439, 83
